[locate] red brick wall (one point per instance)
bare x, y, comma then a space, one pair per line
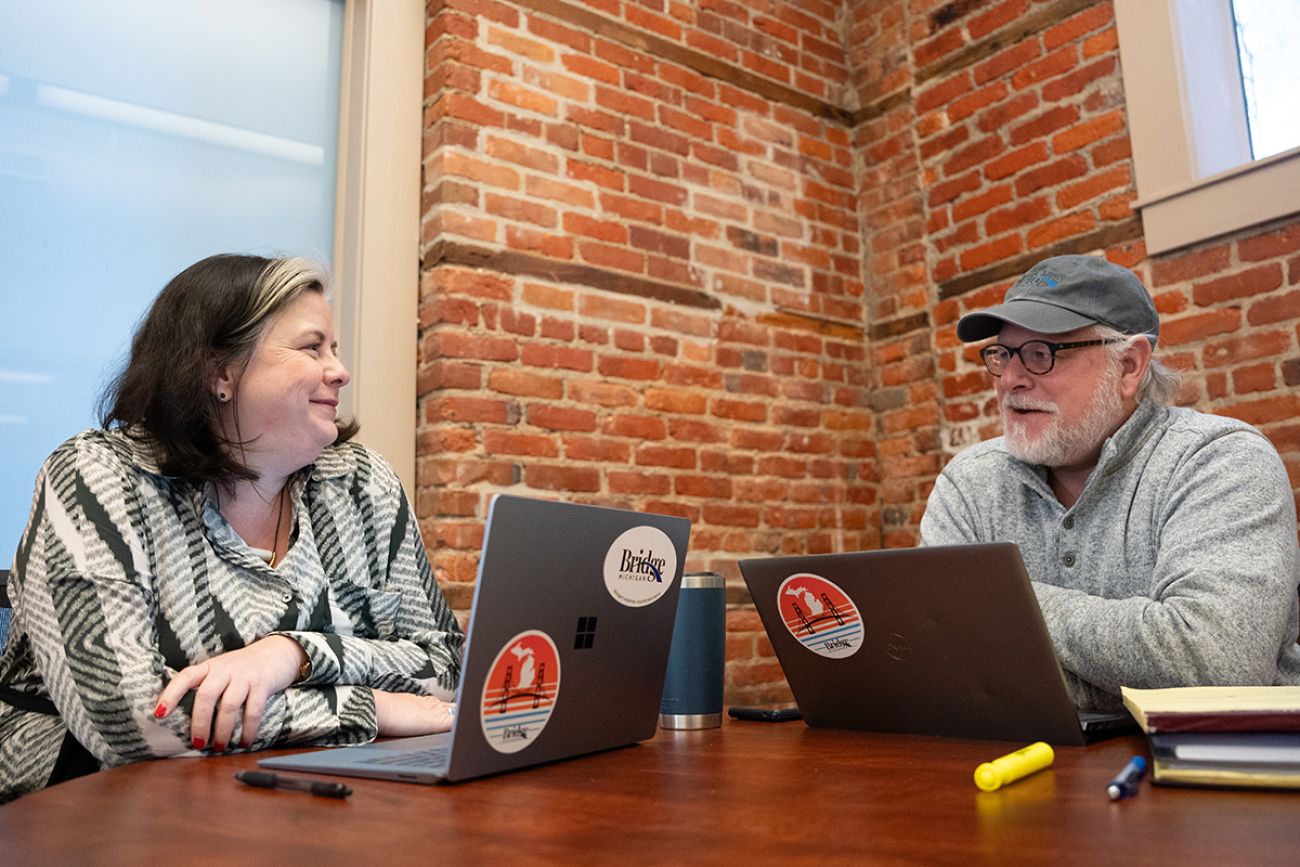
794, 43
642, 280
706, 258
994, 134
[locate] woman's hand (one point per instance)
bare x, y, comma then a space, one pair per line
401, 714
235, 681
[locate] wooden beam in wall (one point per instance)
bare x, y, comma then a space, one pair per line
706, 64
1107, 236
1022, 28
526, 264
837, 328
702, 63
880, 107
515, 262
898, 327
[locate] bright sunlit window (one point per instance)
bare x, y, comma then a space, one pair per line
1268, 32
135, 138
1211, 93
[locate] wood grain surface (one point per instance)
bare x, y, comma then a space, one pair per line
749, 792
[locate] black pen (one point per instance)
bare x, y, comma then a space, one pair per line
268, 780
1126, 782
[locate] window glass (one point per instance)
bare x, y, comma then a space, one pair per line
137, 137
1268, 32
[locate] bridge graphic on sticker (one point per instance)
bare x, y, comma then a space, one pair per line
520, 693
820, 615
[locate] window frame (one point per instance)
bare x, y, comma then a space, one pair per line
377, 223
1187, 122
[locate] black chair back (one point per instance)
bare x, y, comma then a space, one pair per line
5, 614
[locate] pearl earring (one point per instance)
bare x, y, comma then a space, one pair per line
222, 396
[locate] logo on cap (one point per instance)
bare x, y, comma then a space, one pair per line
1040, 278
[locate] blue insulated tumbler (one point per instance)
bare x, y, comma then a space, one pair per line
693, 688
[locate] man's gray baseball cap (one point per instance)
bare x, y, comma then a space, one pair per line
1068, 292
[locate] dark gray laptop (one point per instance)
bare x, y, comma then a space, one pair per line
568, 645
938, 641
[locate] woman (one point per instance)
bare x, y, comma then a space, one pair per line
219, 568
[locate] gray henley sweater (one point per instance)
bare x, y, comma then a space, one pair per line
1177, 566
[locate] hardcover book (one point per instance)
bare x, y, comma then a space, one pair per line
1215, 708
1221, 735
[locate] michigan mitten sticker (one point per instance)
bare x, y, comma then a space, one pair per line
820, 615
521, 691
640, 566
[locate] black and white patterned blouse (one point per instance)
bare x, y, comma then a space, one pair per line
125, 576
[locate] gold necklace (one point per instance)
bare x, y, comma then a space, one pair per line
279, 518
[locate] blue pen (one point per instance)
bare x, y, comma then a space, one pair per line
1126, 782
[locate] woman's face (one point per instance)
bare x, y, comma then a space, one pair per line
287, 396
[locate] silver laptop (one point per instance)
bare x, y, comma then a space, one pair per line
938, 641
568, 645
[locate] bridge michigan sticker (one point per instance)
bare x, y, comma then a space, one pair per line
640, 566
820, 615
520, 693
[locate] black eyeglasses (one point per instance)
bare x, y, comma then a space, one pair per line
1038, 356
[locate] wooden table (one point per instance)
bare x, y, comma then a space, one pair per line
746, 793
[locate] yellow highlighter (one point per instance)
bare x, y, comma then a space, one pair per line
993, 775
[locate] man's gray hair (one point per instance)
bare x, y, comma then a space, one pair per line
1159, 383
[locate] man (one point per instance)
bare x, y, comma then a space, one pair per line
1161, 541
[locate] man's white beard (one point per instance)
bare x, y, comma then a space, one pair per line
1065, 443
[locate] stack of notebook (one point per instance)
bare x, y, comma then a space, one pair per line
1221, 735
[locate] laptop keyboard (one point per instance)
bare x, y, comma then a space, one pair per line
432, 757
1098, 722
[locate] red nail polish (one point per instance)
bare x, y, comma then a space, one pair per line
218, 748
199, 743
160, 711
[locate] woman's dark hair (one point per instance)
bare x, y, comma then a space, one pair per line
210, 315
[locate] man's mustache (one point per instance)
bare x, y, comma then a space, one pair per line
1024, 402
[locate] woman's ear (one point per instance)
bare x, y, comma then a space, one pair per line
222, 382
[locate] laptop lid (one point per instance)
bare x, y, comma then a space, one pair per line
567, 648
937, 640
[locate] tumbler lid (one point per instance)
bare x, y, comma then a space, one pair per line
703, 579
